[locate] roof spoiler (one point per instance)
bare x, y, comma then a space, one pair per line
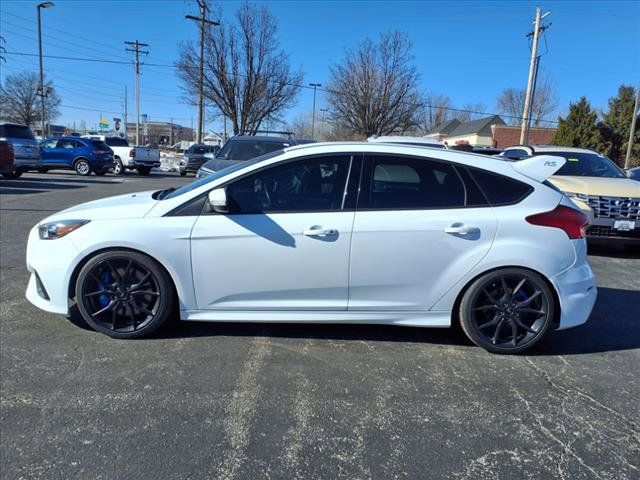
539, 167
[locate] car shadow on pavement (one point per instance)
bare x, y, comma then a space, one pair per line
614, 325
604, 332
598, 249
17, 187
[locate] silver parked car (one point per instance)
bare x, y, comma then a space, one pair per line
25, 147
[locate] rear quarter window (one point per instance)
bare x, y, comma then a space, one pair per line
498, 189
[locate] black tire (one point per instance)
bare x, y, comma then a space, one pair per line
12, 175
183, 173
144, 170
507, 310
43, 170
124, 294
82, 167
118, 167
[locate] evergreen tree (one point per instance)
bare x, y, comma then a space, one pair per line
616, 125
579, 128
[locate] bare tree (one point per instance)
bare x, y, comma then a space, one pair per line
21, 103
247, 77
470, 111
374, 90
510, 103
436, 111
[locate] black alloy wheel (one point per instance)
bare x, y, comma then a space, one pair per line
507, 310
124, 294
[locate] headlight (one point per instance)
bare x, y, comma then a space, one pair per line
53, 230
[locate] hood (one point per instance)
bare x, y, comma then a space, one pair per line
130, 205
216, 164
607, 187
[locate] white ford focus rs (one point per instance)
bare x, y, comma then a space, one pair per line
329, 233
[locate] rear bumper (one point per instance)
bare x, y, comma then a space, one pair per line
577, 292
24, 163
150, 163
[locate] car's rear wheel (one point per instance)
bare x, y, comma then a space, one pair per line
144, 170
82, 167
507, 310
183, 173
118, 168
12, 175
124, 294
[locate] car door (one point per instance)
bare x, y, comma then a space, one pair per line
420, 226
65, 152
285, 243
48, 152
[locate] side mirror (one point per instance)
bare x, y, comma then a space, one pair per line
218, 200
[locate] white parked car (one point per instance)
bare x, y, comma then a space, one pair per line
329, 233
126, 157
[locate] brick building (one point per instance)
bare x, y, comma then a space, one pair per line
503, 136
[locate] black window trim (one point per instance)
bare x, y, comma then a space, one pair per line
353, 158
367, 172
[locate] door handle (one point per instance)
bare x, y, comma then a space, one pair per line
460, 229
318, 231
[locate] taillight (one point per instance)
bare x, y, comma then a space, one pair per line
132, 152
572, 221
97, 152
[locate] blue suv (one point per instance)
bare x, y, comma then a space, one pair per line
80, 154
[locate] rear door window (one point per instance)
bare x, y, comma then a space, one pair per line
396, 183
67, 144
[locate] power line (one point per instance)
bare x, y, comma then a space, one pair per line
301, 86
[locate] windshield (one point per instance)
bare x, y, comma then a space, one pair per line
16, 131
248, 149
219, 174
587, 165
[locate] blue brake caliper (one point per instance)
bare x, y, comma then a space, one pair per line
105, 280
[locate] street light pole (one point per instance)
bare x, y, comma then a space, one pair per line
313, 115
42, 92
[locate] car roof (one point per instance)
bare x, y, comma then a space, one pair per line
402, 138
551, 148
262, 138
14, 124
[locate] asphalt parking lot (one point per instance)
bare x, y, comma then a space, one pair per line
237, 401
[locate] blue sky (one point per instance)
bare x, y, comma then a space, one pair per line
469, 51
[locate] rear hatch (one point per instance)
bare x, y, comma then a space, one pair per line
25, 146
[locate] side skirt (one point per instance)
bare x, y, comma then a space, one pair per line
409, 319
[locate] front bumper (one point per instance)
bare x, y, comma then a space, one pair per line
577, 292
54, 261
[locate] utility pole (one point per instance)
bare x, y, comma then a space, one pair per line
171, 131
125, 113
313, 114
627, 160
537, 30
203, 21
43, 94
136, 50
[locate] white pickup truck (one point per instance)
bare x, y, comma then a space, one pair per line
125, 157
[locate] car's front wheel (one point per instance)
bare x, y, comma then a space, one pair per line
124, 294
507, 310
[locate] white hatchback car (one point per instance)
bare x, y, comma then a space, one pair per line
329, 233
